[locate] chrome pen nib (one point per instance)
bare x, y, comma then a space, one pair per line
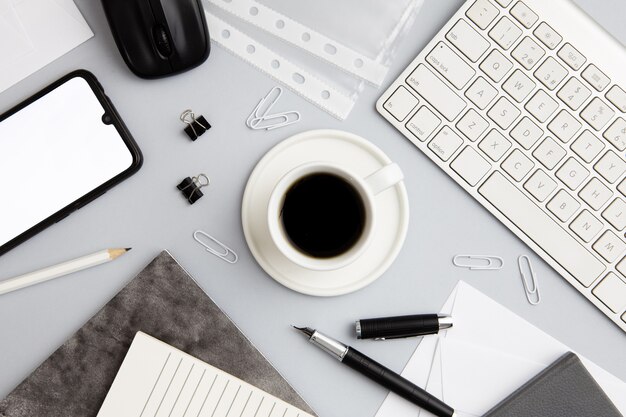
306, 330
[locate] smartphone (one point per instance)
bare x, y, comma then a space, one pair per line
59, 150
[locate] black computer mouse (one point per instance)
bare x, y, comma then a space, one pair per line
158, 38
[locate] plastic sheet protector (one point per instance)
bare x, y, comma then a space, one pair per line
325, 50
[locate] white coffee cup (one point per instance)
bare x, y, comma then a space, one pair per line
367, 188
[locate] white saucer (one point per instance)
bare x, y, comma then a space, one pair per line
354, 153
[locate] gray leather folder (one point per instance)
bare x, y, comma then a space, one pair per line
563, 389
164, 302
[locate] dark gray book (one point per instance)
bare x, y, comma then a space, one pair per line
563, 389
165, 302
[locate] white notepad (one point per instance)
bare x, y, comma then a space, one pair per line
157, 380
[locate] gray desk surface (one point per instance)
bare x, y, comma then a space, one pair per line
147, 213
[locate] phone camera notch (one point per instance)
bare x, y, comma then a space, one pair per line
107, 119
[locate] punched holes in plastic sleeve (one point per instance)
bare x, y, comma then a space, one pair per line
277, 66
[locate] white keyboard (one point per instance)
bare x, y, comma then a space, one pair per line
523, 104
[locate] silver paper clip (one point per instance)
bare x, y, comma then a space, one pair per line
531, 289
493, 262
257, 120
225, 253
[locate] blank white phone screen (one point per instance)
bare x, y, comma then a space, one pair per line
53, 152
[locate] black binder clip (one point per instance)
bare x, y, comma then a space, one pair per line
190, 187
195, 126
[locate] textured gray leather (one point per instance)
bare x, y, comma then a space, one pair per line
164, 302
563, 389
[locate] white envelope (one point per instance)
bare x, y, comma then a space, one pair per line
472, 367
473, 386
34, 33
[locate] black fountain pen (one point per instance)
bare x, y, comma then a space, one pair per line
377, 372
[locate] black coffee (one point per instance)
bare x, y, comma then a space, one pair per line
323, 215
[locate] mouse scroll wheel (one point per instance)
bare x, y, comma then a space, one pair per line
162, 40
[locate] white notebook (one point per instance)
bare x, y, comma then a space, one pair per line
157, 380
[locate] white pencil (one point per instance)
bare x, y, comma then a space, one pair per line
60, 270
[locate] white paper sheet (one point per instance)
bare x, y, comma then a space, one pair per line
472, 366
34, 33
14, 41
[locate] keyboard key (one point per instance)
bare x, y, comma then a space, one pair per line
548, 36
597, 113
541, 229
504, 3
445, 143
574, 93
587, 146
504, 113
563, 206
472, 125
450, 65
609, 246
616, 214
572, 57
564, 126
401, 103
470, 166
517, 165
549, 153
611, 167
524, 15
616, 134
612, 292
528, 53
505, 33
526, 133
519, 86
586, 226
540, 185
595, 193
481, 93
468, 40
423, 123
494, 145
617, 96
572, 173
596, 78
482, 13
434, 91
542, 106
496, 66
551, 73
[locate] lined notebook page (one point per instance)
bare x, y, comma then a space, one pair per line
157, 380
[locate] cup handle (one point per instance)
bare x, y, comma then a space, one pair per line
384, 178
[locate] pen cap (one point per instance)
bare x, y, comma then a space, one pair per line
397, 327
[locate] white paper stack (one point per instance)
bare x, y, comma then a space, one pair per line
488, 354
